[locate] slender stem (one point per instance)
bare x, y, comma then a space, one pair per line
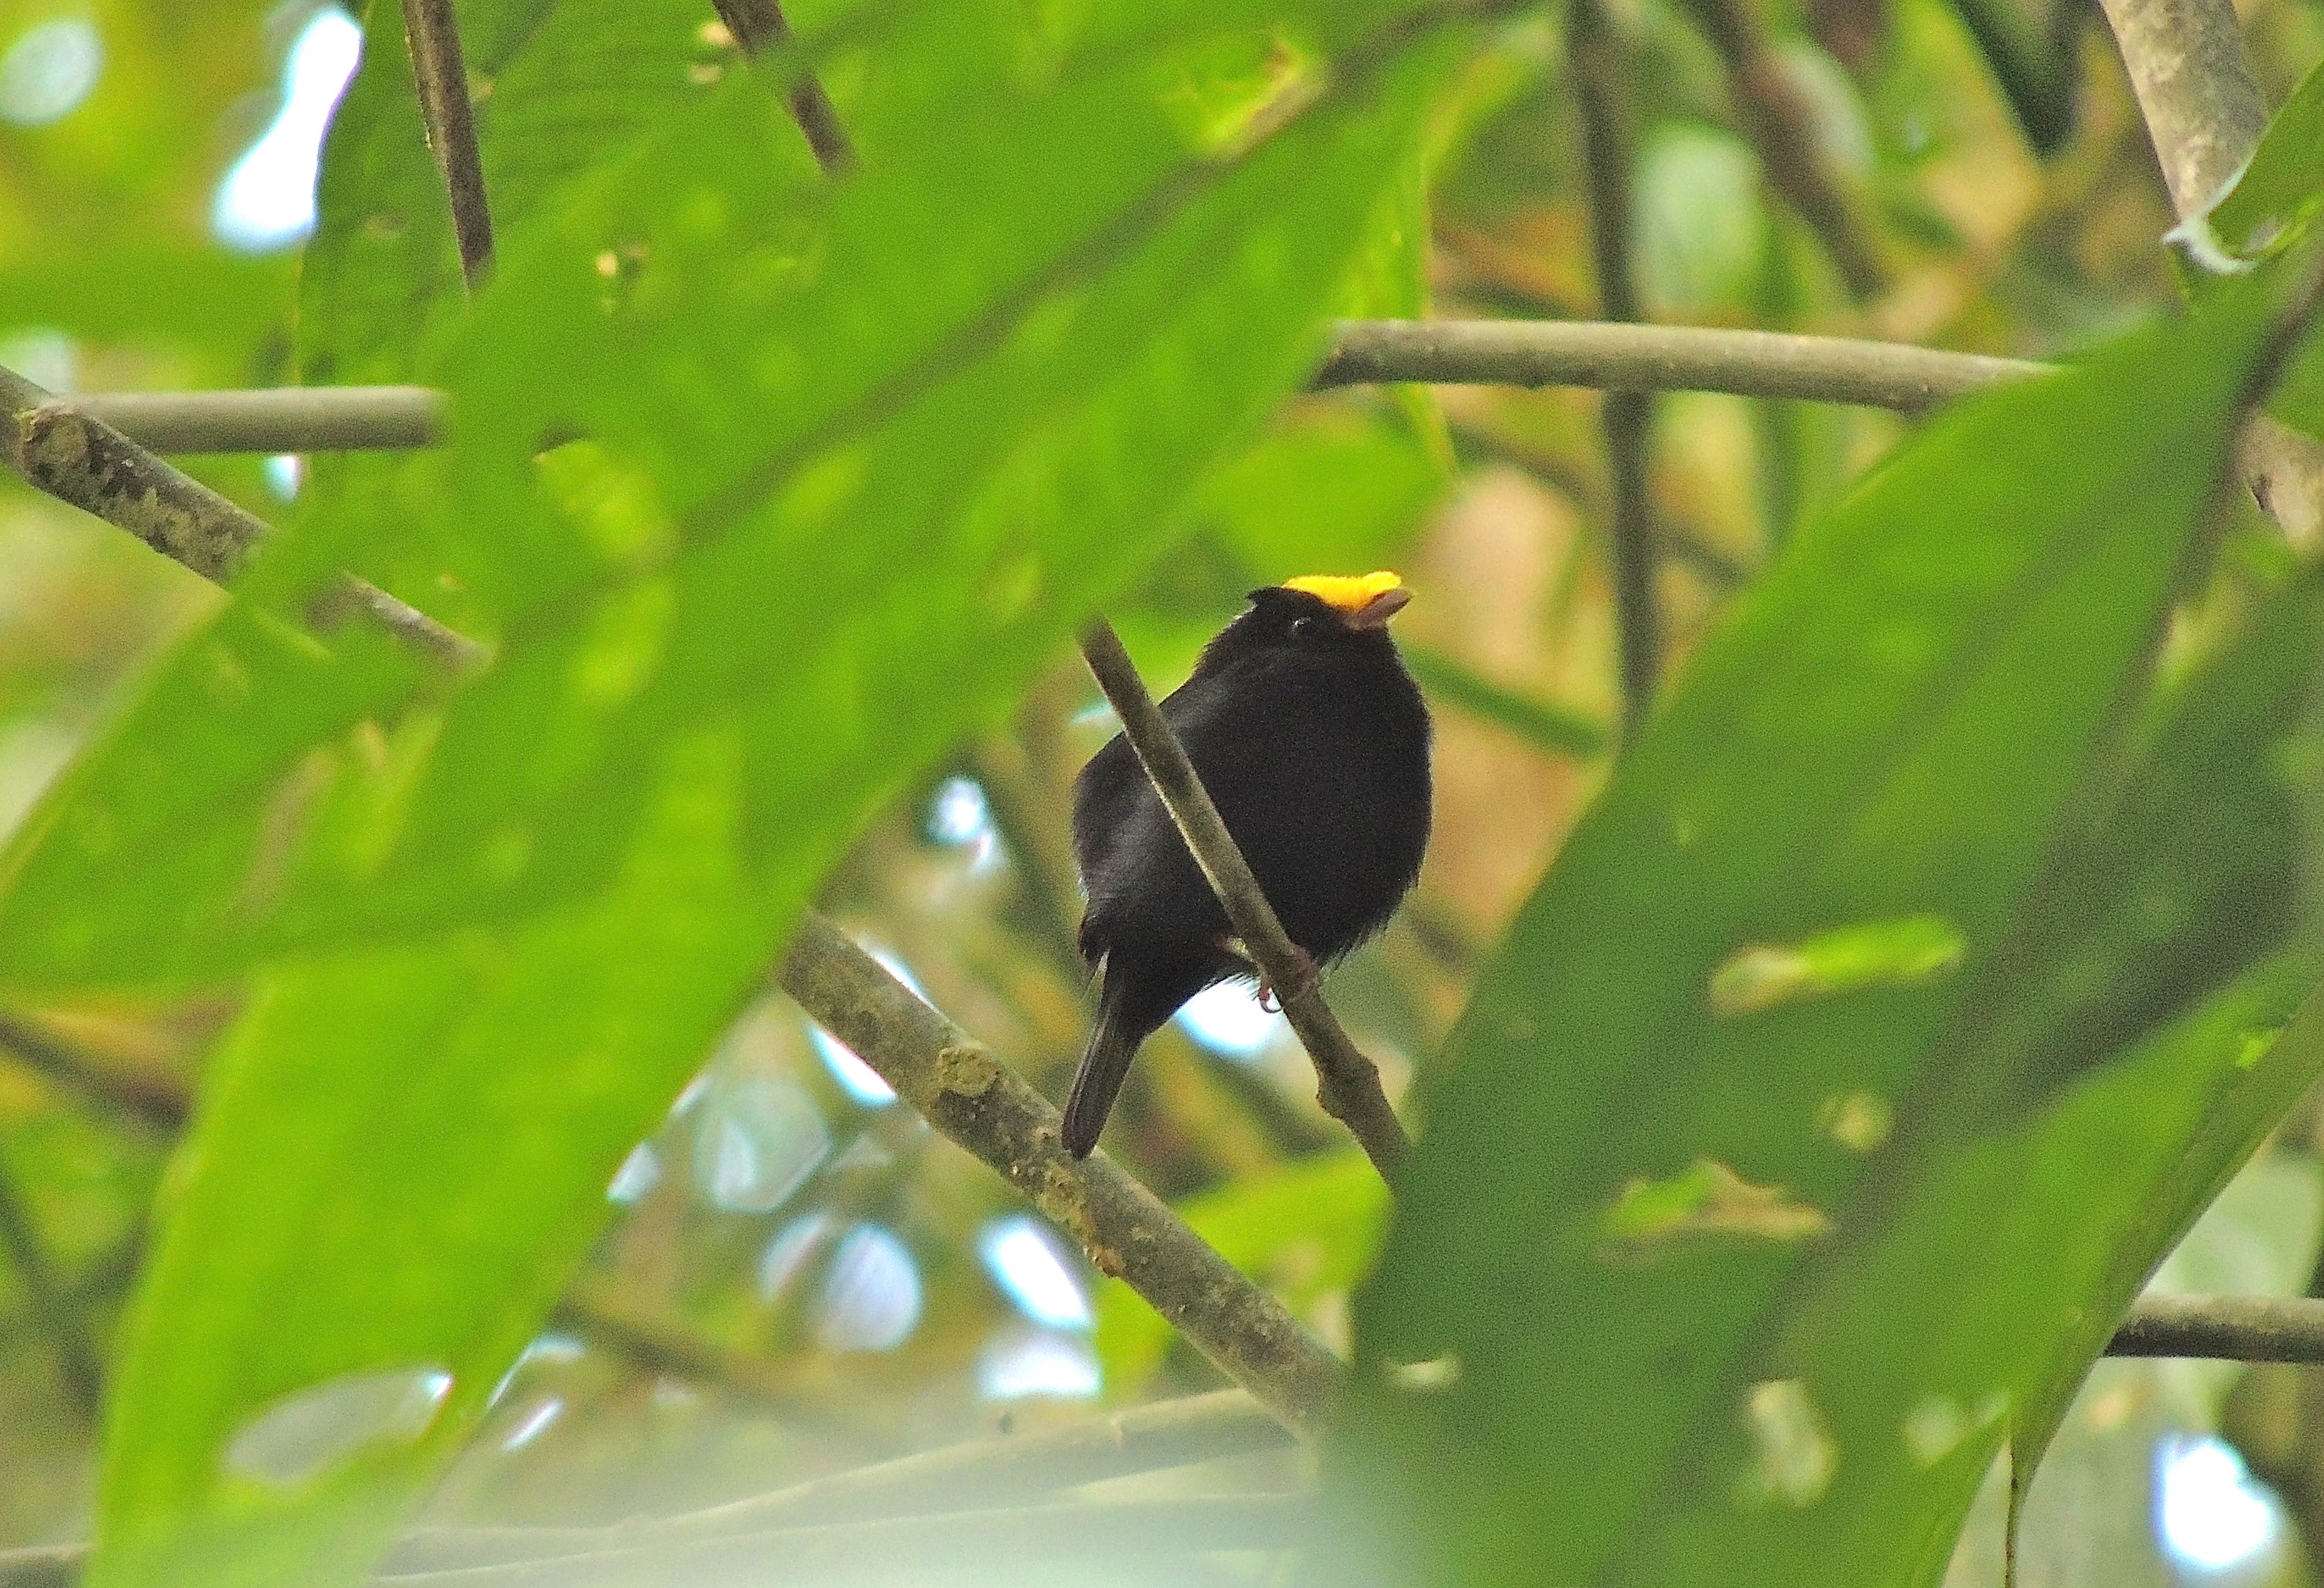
1601, 90
1348, 1084
51, 1302
1781, 123
910, 1548
758, 24
155, 1102
959, 1087
1011, 1469
641, 1336
87, 463
2236, 1328
271, 419
441, 77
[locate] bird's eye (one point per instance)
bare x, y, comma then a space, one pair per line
1303, 625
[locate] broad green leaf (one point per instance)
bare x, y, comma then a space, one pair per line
400, 1157
2284, 174
563, 86
2272, 198
771, 402
852, 477
1888, 732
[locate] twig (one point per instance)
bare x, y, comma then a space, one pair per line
961, 1088
271, 419
155, 1102
758, 24
908, 1548
1552, 729
1781, 123
1184, 1432
1659, 358
656, 1345
2234, 1328
904, 1549
51, 1303
441, 77
1011, 1469
1348, 1083
95, 467
1627, 417
966, 1092
1441, 352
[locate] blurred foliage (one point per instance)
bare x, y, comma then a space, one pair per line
788, 625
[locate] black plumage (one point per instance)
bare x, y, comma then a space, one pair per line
1314, 744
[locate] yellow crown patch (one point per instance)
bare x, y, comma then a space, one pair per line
1349, 593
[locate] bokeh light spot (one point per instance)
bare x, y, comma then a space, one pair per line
1229, 1019
1032, 1271
47, 73
267, 200
2207, 1512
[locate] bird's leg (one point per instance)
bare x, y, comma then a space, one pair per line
1305, 974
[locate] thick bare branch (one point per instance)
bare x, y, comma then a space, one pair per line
1348, 1083
1659, 358
87, 463
959, 1087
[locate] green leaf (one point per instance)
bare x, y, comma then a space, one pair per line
718, 555
913, 434
1889, 730
2273, 198
2283, 175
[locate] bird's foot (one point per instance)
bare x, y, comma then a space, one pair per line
1306, 975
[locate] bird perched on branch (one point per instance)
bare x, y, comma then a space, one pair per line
1312, 742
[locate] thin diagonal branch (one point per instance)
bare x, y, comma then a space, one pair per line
1012, 1469
441, 77
155, 1102
959, 1087
51, 1302
1781, 123
1601, 92
1348, 1084
89, 464
760, 24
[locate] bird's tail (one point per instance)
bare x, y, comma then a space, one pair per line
1113, 1042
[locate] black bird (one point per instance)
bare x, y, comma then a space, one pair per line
1313, 741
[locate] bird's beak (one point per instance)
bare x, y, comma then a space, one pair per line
1374, 614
